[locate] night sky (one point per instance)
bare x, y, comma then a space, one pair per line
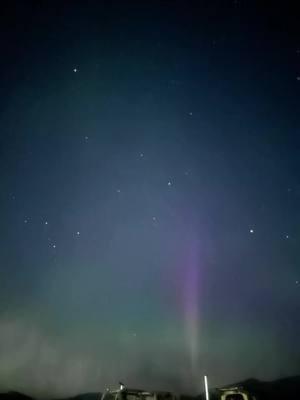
150, 193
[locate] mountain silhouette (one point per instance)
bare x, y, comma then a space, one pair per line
285, 388
11, 395
84, 396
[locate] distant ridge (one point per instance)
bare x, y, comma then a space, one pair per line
84, 396
280, 389
285, 388
12, 395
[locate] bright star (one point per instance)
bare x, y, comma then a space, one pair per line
251, 231
169, 183
46, 222
75, 70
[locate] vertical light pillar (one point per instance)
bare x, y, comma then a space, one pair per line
206, 388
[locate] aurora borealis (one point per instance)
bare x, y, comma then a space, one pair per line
150, 191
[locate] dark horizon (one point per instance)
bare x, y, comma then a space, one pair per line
150, 191
288, 386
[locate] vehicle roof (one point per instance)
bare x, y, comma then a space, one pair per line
236, 389
128, 390
136, 391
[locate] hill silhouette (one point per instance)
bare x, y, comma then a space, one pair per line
11, 395
84, 396
285, 388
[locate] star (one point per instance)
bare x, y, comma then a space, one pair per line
297, 282
46, 222
118, 191
77, 233
190, 113
54, 246
169, 183
141, 155
75, 70
154, 219
25, 221
287, 236
251, 230
298, 78
86, 138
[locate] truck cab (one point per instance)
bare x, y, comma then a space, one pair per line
235, 393
124, 393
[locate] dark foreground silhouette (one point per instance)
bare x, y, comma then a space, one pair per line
281, 389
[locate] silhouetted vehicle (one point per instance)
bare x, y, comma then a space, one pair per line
124, 393
235, 393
